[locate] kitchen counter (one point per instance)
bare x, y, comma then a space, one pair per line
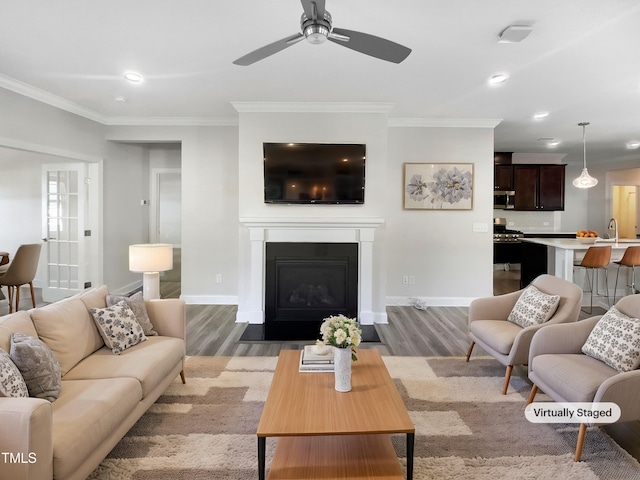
561, 253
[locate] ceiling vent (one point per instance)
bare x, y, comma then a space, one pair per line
515, 33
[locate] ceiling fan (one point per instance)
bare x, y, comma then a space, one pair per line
317, 27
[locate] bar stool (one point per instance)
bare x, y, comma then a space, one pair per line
631, 258
594, 259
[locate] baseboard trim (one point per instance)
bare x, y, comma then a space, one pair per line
430, 301
210, 299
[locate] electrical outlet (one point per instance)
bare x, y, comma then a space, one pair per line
219, 278
412, 279
480, 227
405, 279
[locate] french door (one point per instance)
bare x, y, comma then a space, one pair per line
64, 199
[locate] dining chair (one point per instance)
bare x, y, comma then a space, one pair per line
21, 271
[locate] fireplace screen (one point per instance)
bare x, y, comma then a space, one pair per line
306, 282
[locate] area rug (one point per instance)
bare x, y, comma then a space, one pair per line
465, 427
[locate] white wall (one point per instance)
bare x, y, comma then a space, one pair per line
126, 222
310, 127
209, 162
20, 198
451, 264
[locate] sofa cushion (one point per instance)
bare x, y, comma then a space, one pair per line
136, 303
12, 383
149, 362
615, 340
533, 307
15, 322
118, 326
498, 334
573, 377
94, 297
85, 414
38, 365
68, 329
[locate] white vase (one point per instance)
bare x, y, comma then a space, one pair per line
342, 369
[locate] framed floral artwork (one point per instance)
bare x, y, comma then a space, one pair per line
438, 186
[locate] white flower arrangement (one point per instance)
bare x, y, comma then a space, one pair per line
341, 332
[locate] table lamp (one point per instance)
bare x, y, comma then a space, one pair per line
150, 259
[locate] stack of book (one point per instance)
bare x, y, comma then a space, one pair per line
313, 361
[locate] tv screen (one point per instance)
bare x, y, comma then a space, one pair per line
314, 173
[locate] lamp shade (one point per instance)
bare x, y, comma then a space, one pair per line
150, 257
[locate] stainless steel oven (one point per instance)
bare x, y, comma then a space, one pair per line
504, 199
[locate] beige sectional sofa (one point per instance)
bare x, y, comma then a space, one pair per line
102, 394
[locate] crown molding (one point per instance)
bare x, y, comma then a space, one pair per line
313, 107
173, 121
445, 122
37, 94
30, 91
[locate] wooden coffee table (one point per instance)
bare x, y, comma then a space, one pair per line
328, 434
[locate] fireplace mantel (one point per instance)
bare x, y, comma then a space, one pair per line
312, 222
360, 230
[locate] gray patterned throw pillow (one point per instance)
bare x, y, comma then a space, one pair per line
118, 326
136, 303
615, 340
38, 366
533, 307
11, 381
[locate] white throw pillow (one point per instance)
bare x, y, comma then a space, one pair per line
615, 340
118, 326
533, 307
12, 383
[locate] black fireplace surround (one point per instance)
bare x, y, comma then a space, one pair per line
306, 282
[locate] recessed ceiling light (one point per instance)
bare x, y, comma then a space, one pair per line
133, 77
540, 115
119, 98
550, 141
633, 144
498, 79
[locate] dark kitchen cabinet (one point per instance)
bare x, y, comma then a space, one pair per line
539, 187
503, 177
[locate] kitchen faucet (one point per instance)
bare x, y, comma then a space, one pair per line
613, 224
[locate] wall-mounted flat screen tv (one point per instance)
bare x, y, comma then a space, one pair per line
314, 173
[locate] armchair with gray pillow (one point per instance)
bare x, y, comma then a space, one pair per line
593, 360
504, 325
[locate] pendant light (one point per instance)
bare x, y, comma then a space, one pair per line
584, 180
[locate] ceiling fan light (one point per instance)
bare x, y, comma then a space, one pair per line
585, 180
316, 33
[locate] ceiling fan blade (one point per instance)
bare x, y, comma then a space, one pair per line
308, 6
370, 45
268, 50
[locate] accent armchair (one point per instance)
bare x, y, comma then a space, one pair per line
508, 342
558, 366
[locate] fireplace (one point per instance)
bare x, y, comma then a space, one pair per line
306, 282
261, 231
